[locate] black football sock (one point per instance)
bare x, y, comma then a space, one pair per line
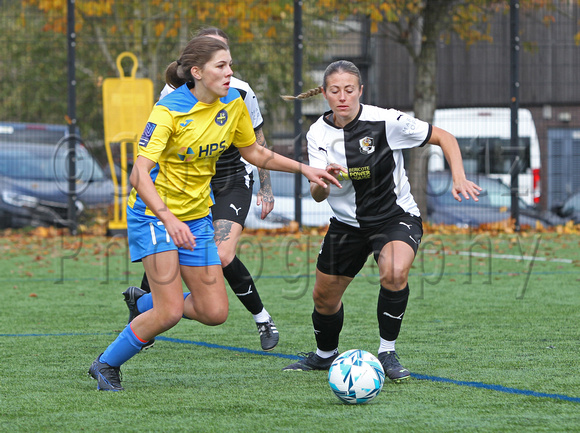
390, 311
241, 282
327, 329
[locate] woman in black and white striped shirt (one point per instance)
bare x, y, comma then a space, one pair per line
374, 212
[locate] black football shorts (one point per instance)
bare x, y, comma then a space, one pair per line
232, 198
345, 249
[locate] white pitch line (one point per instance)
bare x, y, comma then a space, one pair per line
500, 256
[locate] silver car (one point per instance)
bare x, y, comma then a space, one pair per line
34, 184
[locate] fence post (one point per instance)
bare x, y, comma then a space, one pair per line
298, 48
515, 105
72, 118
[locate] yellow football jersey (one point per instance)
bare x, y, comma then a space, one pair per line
185, 137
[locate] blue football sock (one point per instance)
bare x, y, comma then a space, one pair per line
125, 346
185, 295
145, 302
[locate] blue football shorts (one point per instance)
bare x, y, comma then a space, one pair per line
147, 235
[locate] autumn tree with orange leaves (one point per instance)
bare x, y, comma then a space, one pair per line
261, 34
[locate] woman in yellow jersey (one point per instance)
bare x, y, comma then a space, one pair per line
232, 189
168, 215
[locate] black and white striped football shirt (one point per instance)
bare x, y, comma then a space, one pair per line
371, 148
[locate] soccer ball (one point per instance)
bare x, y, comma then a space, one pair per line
356, 376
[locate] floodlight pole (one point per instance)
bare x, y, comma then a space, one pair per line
298, 48
72, 124
514, 106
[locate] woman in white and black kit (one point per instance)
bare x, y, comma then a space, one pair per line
374, 212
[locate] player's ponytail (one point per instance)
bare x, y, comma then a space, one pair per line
173, 76
338, 66
305, 95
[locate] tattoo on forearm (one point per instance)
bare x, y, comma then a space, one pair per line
260, 139
267, 194
265, 184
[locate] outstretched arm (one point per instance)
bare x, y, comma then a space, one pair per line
265, 158
450, 147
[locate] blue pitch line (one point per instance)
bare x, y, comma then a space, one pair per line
232, 348
60, 334
498, 388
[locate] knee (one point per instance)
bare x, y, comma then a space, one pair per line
215, 316
168, 319
324, 302
396, 279
318, 299
394, 286
226, 252
226, 256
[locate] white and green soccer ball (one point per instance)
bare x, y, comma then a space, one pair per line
356, 376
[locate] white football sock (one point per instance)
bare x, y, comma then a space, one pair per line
326, 353
262, 316
387, 346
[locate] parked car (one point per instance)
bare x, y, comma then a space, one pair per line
570, 209
494, 204
40, 133
313, 214
34, 184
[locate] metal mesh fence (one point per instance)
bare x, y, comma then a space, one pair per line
34, 84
